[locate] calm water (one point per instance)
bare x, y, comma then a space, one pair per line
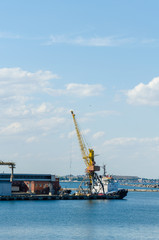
135, 218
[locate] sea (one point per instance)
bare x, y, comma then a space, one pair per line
136, 217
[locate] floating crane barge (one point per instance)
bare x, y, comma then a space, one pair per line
104, 187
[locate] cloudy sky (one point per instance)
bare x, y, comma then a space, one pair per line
99, 58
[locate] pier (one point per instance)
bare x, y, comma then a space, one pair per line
63, 196
55, 197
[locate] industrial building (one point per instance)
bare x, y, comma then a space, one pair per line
31, 183
5, 188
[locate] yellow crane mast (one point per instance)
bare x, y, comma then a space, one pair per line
88, 156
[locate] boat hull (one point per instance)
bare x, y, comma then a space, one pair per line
120, 194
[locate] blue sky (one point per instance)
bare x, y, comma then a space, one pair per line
99, 58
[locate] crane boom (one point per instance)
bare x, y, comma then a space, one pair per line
7, 163
88, 155
84, 150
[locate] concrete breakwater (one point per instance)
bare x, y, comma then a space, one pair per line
141, 185
143, 190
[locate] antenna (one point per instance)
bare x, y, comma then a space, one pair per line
104, 169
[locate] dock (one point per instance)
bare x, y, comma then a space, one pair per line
54, 197
120, 194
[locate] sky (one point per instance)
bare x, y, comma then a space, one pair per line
97, 58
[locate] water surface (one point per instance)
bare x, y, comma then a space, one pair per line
135, 218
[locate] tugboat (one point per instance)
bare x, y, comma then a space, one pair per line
110, 187
104, 186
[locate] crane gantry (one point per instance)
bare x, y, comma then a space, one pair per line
11, 165
88, 156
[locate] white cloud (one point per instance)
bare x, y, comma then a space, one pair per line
93, 41
71, 134
78, 90
15, 110
101, 113
49, 123
150, 41
132, 155
42, 109
31, 110
31, 139
7, 35
18, 85
13, 128
106, 41
130, 141
145, 94
83, 133
16, 74
85, 90
98, 135
22, 103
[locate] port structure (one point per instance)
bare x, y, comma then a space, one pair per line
88, 157
11, 165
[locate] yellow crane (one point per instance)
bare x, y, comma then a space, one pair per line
88, 156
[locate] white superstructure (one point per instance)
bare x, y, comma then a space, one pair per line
109, 185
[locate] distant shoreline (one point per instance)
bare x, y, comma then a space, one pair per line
69, 181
